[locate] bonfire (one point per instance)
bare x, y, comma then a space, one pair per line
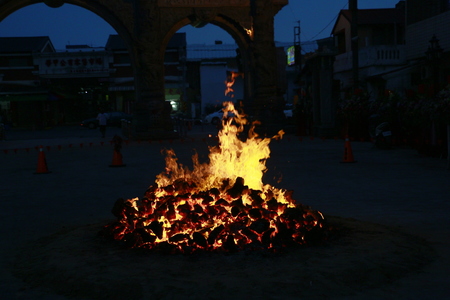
221, 205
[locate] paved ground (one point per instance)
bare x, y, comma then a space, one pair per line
393, 187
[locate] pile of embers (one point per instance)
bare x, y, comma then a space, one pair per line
211, 208
179, 218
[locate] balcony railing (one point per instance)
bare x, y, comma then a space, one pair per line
385, 55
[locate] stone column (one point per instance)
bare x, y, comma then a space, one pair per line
268, 103
151, 112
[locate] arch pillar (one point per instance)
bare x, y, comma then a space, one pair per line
151, 112
268, 101
146, 26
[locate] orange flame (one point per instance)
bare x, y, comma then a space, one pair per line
211, 206
230, 82
233, 157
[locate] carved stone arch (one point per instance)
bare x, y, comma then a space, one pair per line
120, 14
8, 7
202, 16
239, 34
146, 25
54, 3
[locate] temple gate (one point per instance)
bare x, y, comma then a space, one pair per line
146, 26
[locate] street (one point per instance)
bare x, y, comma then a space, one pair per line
394, 187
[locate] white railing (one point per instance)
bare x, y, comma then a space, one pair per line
385, 55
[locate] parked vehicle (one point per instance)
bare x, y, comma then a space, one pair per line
114, 119
288, 111
214, 118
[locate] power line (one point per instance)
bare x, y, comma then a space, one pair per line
329, 23
325, 27
292, 11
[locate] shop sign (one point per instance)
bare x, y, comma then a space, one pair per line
63, 62
73, 64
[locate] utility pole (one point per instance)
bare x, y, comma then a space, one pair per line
353, 7
298, 47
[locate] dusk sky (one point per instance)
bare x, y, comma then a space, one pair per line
74, 25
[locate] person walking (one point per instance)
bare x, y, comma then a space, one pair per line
102, 118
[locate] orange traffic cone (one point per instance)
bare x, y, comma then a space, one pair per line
42, 163
117, 160
348, 154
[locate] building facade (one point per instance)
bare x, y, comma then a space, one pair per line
23, 98
381, 49
428, 41
41, 87
402, 60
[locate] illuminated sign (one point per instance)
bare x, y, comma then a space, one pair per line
290, 55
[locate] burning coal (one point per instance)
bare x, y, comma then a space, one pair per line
221, 205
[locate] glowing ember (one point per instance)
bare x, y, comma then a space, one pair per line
220, 205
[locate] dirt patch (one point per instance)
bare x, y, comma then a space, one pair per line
78, 263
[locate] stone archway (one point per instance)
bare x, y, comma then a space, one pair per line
147, 26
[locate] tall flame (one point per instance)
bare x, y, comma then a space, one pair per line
231, 159
218, 205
